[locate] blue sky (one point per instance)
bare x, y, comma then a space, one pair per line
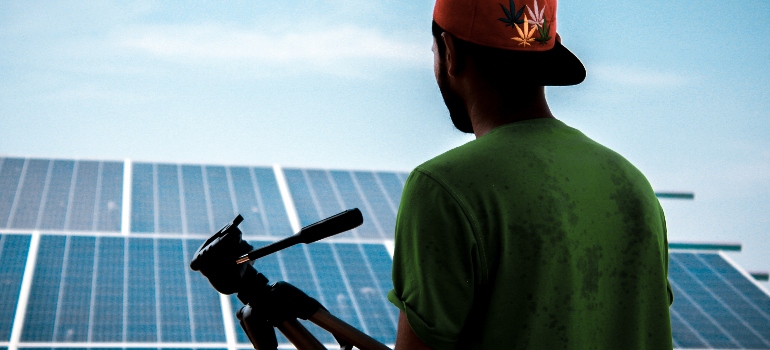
680, 88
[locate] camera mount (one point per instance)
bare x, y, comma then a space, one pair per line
225, 259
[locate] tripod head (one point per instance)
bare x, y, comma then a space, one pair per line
215, 259
225, 259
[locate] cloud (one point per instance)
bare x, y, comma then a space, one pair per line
636, 76
321, 48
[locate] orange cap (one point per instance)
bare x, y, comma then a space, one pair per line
518, 25
522, 25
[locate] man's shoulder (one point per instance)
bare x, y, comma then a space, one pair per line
500, 149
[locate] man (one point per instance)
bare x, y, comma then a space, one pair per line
532, 236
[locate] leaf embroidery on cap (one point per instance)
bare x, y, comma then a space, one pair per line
525, 36
543, 31
511, 17
537, 16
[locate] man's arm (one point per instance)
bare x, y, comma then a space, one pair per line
406, 338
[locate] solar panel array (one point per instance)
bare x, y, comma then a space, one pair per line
84, 278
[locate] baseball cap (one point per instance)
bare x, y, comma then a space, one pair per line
526, 26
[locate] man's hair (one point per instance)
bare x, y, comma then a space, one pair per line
497, 66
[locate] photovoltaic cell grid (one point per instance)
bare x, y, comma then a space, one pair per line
60, 194
715, 306
170, 198
102, 288
134, 289
350, 280
120, 289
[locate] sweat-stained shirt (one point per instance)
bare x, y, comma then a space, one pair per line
532, 236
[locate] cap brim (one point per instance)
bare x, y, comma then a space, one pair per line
562, 67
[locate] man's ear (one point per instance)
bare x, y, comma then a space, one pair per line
453, 62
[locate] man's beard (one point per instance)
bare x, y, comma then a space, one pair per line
454, 103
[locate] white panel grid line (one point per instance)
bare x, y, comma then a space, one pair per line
62, 285
44, 196
688, 325
368, 207
155, 199
383, 298
71, 196
26, 285
360, 247
182, 205
345, 280
390, 245
3, 238
158, 318
260, 203
282, 266
97, 196
227, 317
231, 187
188, 288
288, 202
207, 197
734, 289
724, 305
744, 273
304, 246
316, 282
125, 209
352, 295
311, 192
126, 242
94, 276
338, 196
700, 309
402, 177
17, 195
393, 206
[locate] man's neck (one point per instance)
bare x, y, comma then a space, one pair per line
490, 108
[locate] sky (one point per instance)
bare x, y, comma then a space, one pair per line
680, 88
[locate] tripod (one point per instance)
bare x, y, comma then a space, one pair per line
224, 260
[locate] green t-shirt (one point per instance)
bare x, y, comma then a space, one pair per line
532, 237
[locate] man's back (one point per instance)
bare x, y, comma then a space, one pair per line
532, 236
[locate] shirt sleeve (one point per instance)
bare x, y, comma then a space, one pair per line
436, 265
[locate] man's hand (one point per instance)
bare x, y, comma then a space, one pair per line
406, 339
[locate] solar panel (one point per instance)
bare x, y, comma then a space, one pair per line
119, 289
716, 306
90, 284
60, 195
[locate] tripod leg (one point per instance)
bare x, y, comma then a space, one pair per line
345, 331
299, 335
